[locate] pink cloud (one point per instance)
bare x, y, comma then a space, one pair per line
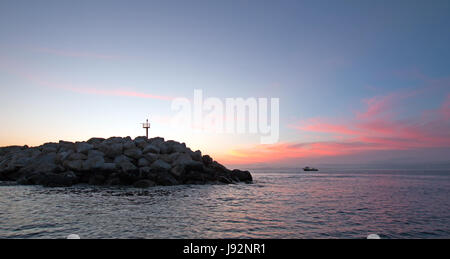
377, 106
316, 125
373, 129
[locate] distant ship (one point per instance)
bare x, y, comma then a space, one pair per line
310, 169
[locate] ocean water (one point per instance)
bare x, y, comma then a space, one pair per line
280, 204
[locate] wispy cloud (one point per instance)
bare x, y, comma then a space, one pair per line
83, 89
375, 128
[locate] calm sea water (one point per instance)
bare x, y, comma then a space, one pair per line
280, 204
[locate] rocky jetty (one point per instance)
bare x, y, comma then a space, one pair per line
140, 162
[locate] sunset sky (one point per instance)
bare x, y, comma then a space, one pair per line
358, 81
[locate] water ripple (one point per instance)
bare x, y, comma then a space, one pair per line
278, 205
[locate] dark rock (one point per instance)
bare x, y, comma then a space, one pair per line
165, 178
149, 148
160, 165
134, 153
50, 148
127, 167
151, 157
197, 156
129, 145
63, 155
174, 147
113, 181
141, 142
97, 179
121, 158
128, 178
95, 141
111, 150
207, 160
75, 165
66, 146
140, 162
194, 176
108, 167
144, 183
178, 171
224, 179
243, 176
57, 180
83, 147
77, 156
113, 140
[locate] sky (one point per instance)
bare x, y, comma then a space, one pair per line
358, 82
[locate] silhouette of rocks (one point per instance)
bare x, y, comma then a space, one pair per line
140, 163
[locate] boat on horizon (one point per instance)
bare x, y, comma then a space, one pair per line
309, 169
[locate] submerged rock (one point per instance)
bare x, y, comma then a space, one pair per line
140, 162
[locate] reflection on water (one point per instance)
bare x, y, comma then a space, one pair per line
331, 204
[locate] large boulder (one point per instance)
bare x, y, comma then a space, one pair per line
66, 146
159, 142
141, 142
93, 163
95, 153
121, 158
108, 167
77, 156
149, 148
243, 176
44, 162
95, 141
156, 141
207, 160
83, 147
184, 160
160, 165
50, 148
164, 178
175, 147
129, 145
151, 157
75, 165
111, 150
127, 167
113, 140
142, 162
134, 153
197, 156
63, 155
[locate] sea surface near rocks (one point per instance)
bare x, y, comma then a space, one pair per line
280, 204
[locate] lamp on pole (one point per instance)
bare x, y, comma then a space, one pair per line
146, 126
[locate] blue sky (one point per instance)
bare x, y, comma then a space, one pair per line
323, 59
